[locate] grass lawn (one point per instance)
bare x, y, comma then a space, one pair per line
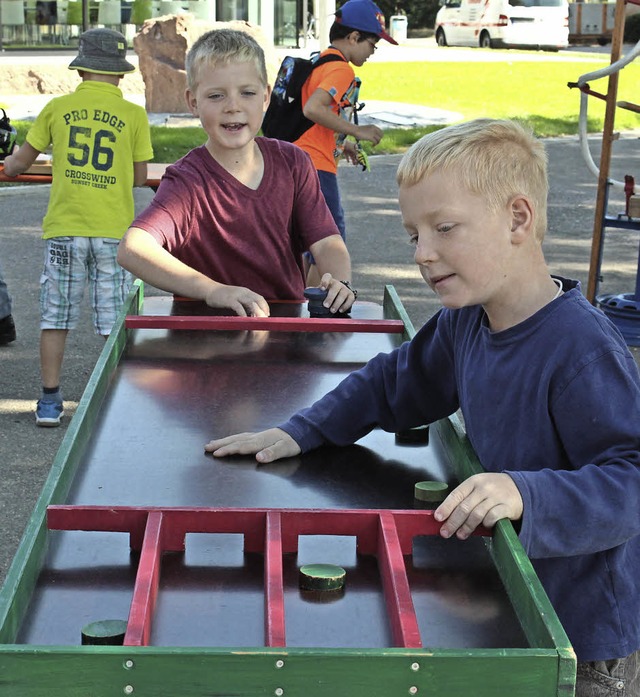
533, 92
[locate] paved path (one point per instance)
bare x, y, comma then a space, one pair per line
380, 254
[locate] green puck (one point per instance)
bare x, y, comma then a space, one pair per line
431, 491
322, 577
413, 436
104, 633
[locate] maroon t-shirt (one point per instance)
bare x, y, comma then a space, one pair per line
235, 235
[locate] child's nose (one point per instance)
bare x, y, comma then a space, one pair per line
425, 250
232, 102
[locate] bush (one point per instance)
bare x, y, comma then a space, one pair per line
632, 29
74, 12
140, 11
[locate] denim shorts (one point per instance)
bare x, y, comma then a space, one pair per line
616, 678
70, 265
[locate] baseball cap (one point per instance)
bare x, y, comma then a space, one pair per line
102, 51
364, 15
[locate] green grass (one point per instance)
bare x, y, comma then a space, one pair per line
535, 93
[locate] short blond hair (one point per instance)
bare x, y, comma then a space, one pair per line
495, 159
224, 46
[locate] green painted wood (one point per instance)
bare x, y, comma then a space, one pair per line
545, 669
111, 671
22, 575
529, 599
394, 309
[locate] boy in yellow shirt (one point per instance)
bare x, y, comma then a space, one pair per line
101, 144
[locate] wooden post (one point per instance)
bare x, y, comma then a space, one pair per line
605, 155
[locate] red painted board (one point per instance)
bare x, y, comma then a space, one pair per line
282, 324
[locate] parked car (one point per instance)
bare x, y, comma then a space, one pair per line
503, 23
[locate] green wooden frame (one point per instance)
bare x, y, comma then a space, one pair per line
546, 668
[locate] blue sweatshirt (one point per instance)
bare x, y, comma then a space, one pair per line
555, 403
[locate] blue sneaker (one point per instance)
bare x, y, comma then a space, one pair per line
49, 413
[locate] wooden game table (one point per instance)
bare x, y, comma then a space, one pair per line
199, 557
40, 173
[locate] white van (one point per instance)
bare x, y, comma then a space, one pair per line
503, 23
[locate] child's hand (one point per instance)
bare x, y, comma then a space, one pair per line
370, 132
242, 301
483, 499
340, 298
350, 152
268, 446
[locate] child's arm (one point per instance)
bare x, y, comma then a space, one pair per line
334, 265
268, 446
319, 108
483, 499
139, 173
141, 254
388, 392
20, 160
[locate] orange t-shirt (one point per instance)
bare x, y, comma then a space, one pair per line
338, 79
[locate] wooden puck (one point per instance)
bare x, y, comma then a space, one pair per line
431, 491
413, 436
322, 577
104, 633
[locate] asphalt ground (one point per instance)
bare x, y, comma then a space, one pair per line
380, 253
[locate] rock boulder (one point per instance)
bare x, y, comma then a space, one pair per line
162, 45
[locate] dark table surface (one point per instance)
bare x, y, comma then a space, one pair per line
175, 390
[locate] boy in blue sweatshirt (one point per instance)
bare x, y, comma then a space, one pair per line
549, 392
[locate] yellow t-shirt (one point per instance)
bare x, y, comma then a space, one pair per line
96, 136
336, 78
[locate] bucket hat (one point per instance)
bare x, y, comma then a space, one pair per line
364, 15
102, 51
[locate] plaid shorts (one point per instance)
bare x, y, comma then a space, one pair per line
70, 263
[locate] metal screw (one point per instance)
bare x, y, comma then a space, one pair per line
415, 666
279, 664
128, 689
128, 664
413, 690
279, 692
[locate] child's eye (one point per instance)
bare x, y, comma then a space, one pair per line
413, 240
216, 95
445, 227
249, 93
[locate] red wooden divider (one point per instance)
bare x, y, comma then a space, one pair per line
387, 534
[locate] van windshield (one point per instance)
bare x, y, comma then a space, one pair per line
536, 3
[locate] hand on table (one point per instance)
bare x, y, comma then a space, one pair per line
242, 301
483, 499
270, 445
339, 297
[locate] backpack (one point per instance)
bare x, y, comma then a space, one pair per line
284, 119
8, 136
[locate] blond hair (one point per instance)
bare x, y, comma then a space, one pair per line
224, 46
492, 158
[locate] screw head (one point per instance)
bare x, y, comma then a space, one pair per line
279, 663
415, 666
279, 692
413, 690
128, 689
128, 664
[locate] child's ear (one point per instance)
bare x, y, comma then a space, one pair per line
191, 101
267, 98
521, 211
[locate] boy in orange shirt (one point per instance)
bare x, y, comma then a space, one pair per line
329, 100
